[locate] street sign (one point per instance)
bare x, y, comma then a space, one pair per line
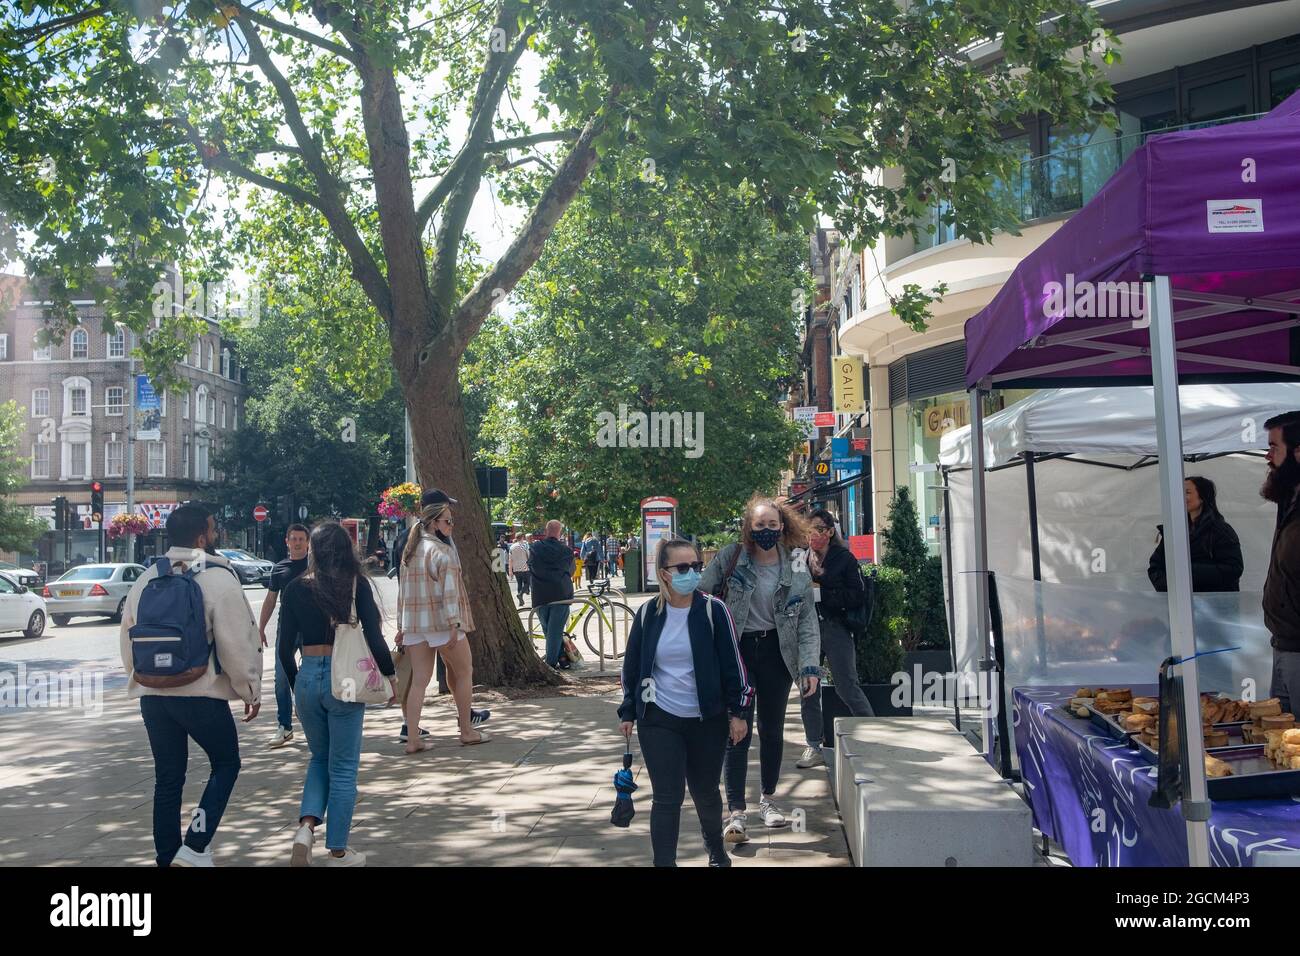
260, 513
804, 415
302, 512
822, 470
824, 420
859, 444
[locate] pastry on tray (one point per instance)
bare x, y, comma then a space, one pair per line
1146, 705
1216, 738
1214, 767
1121, 694
1266, 708
1138, 721
1278, 722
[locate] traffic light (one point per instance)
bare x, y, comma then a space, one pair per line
97, 502
60, 513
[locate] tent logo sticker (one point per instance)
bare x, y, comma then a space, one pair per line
1235, 215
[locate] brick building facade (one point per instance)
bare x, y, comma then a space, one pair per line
75, 400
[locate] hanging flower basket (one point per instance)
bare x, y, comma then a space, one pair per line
400, 501
127, 524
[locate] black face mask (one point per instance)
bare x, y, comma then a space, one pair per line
767, 538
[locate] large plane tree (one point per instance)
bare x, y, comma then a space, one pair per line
362, 131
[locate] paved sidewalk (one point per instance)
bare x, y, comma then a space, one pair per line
77, 789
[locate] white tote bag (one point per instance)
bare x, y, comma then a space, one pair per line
354, 675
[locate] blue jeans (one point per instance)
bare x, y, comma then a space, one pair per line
553, 618
283, 692
333, 729
170, 722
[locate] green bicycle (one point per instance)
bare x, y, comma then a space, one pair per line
596, 613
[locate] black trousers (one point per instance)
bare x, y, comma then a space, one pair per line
522, 583
682, 752
771, 680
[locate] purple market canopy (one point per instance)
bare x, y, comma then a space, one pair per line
1218, 211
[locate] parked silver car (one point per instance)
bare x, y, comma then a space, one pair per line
91, 590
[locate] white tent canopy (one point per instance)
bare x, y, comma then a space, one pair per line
1092, 616
1122, 421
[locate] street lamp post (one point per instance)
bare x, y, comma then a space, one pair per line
130, 451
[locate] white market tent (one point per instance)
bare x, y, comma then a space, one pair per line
1071, 582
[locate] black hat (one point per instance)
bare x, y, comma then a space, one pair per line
436, 496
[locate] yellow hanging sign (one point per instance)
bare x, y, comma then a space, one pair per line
846, 379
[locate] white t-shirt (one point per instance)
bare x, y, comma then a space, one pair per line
674, 668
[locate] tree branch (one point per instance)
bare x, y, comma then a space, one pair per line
530, 158
497, 68
288, 29
364, 268
39, 31
215, 158
527, 246
523, 142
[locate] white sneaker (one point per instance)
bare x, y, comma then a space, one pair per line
350, 857
302, 844
187, 857
812, 757
281, 737
770, 815
734, 831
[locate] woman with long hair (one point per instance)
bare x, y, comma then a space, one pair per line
769, 595
685, 690
840, 595
1215, 548
434, 618
333, 590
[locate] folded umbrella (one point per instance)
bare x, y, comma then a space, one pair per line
624, 810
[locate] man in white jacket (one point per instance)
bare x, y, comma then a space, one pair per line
199, 710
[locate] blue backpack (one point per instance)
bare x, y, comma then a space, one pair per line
169, 640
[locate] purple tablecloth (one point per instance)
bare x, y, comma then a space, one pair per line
1089, 793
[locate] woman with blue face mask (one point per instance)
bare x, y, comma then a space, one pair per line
768, 593
685, 691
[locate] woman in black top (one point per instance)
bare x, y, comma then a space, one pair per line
312, 605
1215, 549
841, 610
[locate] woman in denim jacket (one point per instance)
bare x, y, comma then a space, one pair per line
769, 594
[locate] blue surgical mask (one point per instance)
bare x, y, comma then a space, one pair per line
767, 538
685, 584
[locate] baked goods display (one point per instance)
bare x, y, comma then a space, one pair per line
1140, 716
1266, 715
1282, 748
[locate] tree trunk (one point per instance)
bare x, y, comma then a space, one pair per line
503, 654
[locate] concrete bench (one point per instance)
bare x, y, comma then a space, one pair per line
913, 792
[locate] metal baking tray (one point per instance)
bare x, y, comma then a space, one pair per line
1253, 776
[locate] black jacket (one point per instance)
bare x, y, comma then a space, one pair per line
551, 563
842, 587
1215, 553
721, 682
1282, 586
399, 545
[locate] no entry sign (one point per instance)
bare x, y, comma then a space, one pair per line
259, 513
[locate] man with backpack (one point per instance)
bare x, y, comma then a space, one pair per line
190, 646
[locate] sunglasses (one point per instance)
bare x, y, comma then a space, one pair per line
683, 568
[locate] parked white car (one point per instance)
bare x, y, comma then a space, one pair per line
91, 590
21, 609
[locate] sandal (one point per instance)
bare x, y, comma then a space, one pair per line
483, 737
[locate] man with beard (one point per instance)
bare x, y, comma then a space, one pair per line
1282, 586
